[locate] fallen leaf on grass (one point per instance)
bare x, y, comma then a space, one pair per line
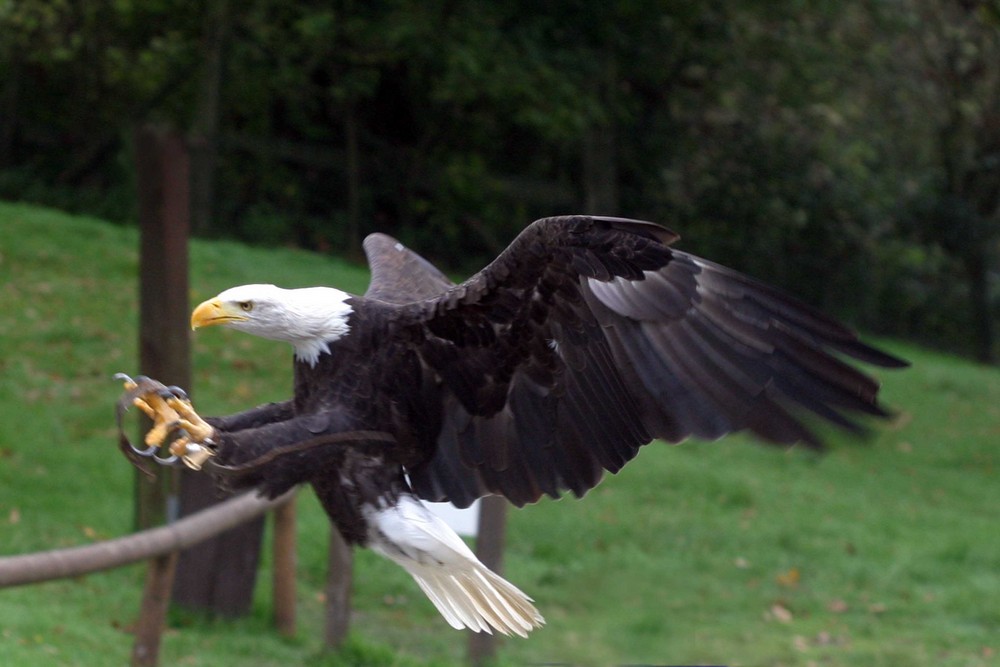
789, 579
780, 613
243, 390
837, 606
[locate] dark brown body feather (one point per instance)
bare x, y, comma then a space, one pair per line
584, 340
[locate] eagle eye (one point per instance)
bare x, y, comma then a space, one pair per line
246, 306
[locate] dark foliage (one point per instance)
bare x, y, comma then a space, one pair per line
847, 151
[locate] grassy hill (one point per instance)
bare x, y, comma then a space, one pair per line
885, 552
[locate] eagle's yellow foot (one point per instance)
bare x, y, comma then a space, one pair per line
165, 418
189, 420
171, 412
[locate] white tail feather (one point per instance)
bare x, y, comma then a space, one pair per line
466, 592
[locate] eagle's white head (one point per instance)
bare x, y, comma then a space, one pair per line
309, 318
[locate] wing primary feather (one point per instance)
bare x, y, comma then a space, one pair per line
612, 423
707, 420
800, 360
535, 423
667, 404
868, 354
724, 406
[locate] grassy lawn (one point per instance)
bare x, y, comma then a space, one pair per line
883, 552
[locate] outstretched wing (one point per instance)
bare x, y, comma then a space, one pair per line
589, 336
400, 275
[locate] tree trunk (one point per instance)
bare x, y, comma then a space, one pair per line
205, 126
353, 180
977, 272
9, 102
219, 574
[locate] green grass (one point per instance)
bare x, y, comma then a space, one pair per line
885, 552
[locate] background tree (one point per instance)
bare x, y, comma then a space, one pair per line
846, 149
952, 55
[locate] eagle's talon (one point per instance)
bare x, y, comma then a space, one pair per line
177, 392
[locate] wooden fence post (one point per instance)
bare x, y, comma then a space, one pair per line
490, 540
155, 601
219, 574
338, 591
283, 576
164, 347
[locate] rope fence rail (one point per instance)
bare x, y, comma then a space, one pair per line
75, 561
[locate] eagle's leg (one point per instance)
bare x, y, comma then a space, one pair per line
193, 454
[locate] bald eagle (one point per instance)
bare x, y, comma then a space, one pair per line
585, 339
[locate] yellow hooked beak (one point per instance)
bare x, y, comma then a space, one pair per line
214, 311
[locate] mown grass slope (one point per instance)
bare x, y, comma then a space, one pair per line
883, 552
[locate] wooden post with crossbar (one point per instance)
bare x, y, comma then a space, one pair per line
164, 349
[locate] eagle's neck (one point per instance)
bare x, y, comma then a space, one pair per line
308, 351
315, 317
